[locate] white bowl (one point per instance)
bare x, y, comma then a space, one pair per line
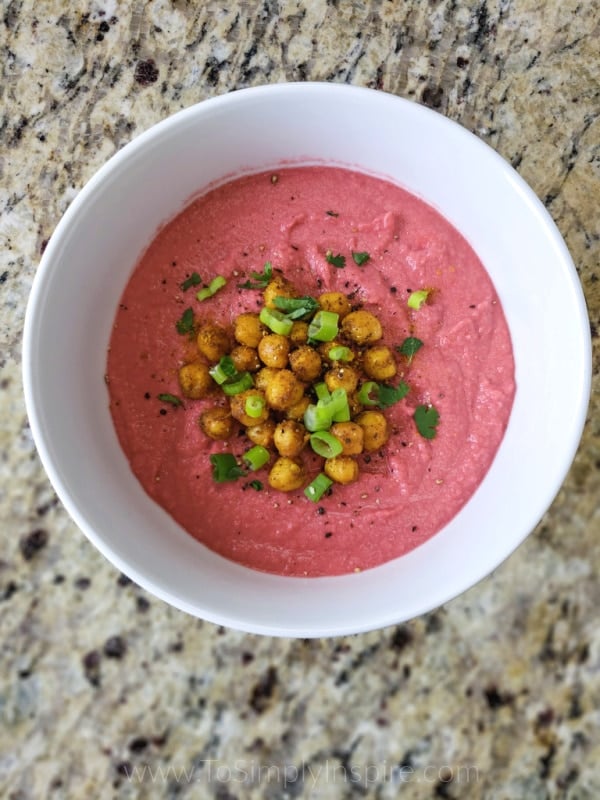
96, 245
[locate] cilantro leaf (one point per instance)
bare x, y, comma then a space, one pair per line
170, 398
259, 280
193, 280
338, 261
388, 395
186, 323
296, 307
426, 419
409, 347
360, 258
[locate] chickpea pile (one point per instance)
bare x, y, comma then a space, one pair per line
285, 370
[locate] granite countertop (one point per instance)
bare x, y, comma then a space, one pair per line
107, 692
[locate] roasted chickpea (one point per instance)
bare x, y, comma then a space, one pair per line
238, 407
248, 329
262, 434
264, 376
273, 350
213, 341
286, 475
362, 327
245, 358
306, 363
336, 302
299, 333
379, 363
195, 380
297, 410
341, 469
217, 422
290, 438
342, 378
350, 435
284, 390
355, 405
375, 429
278, 287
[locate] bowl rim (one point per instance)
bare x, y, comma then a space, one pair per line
36, 298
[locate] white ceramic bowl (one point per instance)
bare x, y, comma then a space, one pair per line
97, 243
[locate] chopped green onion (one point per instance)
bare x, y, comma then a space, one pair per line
224, 370
276, 321
338, 406
225, 467
341, 353
317, 418
256, 457
238, 384
296, 307
416, 299
360, 258
186, 323
212, 288
254, 405
193, 280
317, 488
324, 326
170, 398
322, 391
325, 444
368, 394
260, 280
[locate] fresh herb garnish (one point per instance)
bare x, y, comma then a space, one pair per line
296, 307
259, 280
360, 258
338, 261
186, 323
213, 287
225, 468
256, 485
426, 419
170, 398
193, 280
332, 213
409, 347
388, 395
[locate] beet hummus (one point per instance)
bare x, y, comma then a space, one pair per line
413, 486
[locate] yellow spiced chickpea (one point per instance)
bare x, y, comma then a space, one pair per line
297, 410
248, 329
375, 429
342, 377
245, 358
336, 302
284, 390
289, 438
262, 434
287, 474
351, 437
306, 363
362, 327
213, 341
264, 376
195, 380
273, 350
299, 333
240, 403
217, 423
278, 287
379, 363
341, 469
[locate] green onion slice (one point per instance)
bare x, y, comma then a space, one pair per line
225, 467
325, 444
241, 382
224, 370
254, 405
276, 321
213, 287
338, 406
256, 457
368, 394
317, 488
341, 353
322, 391
170, 398
317, 418
416, 299
324, 326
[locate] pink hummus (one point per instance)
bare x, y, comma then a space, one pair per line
414, 486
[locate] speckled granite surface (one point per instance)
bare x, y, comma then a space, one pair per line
106, 692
